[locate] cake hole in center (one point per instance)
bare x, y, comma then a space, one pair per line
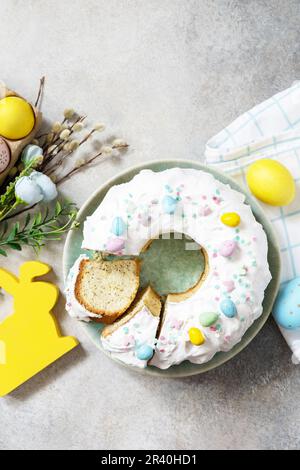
173, 265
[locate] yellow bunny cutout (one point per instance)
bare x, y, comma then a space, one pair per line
30, 338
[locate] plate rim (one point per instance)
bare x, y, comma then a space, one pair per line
242, 344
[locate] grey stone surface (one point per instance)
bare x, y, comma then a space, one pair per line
167, 75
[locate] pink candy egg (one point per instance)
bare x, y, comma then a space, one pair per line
114, 245
230, 286
227, 248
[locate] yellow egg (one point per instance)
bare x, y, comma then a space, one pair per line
196, 336
232, 219
17, 118
271, 182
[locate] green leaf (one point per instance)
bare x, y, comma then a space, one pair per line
27, 220
15, 246
46, 214
58, 208
12, 234
3, 252
37, 219
5, 227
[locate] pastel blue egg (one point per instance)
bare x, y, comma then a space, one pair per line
118, 226
286, 310
228, 308
144, 352
169, 204
30, 153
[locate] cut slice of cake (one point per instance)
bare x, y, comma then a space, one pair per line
131, 339
107, 288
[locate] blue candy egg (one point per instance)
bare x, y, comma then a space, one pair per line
118, 226
286, 310
228, 308
169, 204
144, 352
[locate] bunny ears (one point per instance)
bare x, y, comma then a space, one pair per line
28, 271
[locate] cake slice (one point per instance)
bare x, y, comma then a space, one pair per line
131, 339
107, 288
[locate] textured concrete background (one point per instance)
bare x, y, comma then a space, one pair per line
167, 75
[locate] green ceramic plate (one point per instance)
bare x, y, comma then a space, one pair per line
172, 256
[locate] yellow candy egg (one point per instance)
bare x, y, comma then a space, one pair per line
17, 118
196, 336
271, 182
232, 219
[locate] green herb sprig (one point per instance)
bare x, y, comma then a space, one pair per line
38, 228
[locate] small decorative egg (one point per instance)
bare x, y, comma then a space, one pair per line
196, 336
208, 318
17, 118
227, 248
4, 155
271, 182
118, 226
229, 285
31, 153
144, 352
169, 204
205, 210
286, 310
228, 308
232, 219
114, 245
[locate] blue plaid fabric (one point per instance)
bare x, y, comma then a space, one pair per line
269, 130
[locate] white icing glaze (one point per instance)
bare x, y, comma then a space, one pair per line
200, 202
73, 307
139, 330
